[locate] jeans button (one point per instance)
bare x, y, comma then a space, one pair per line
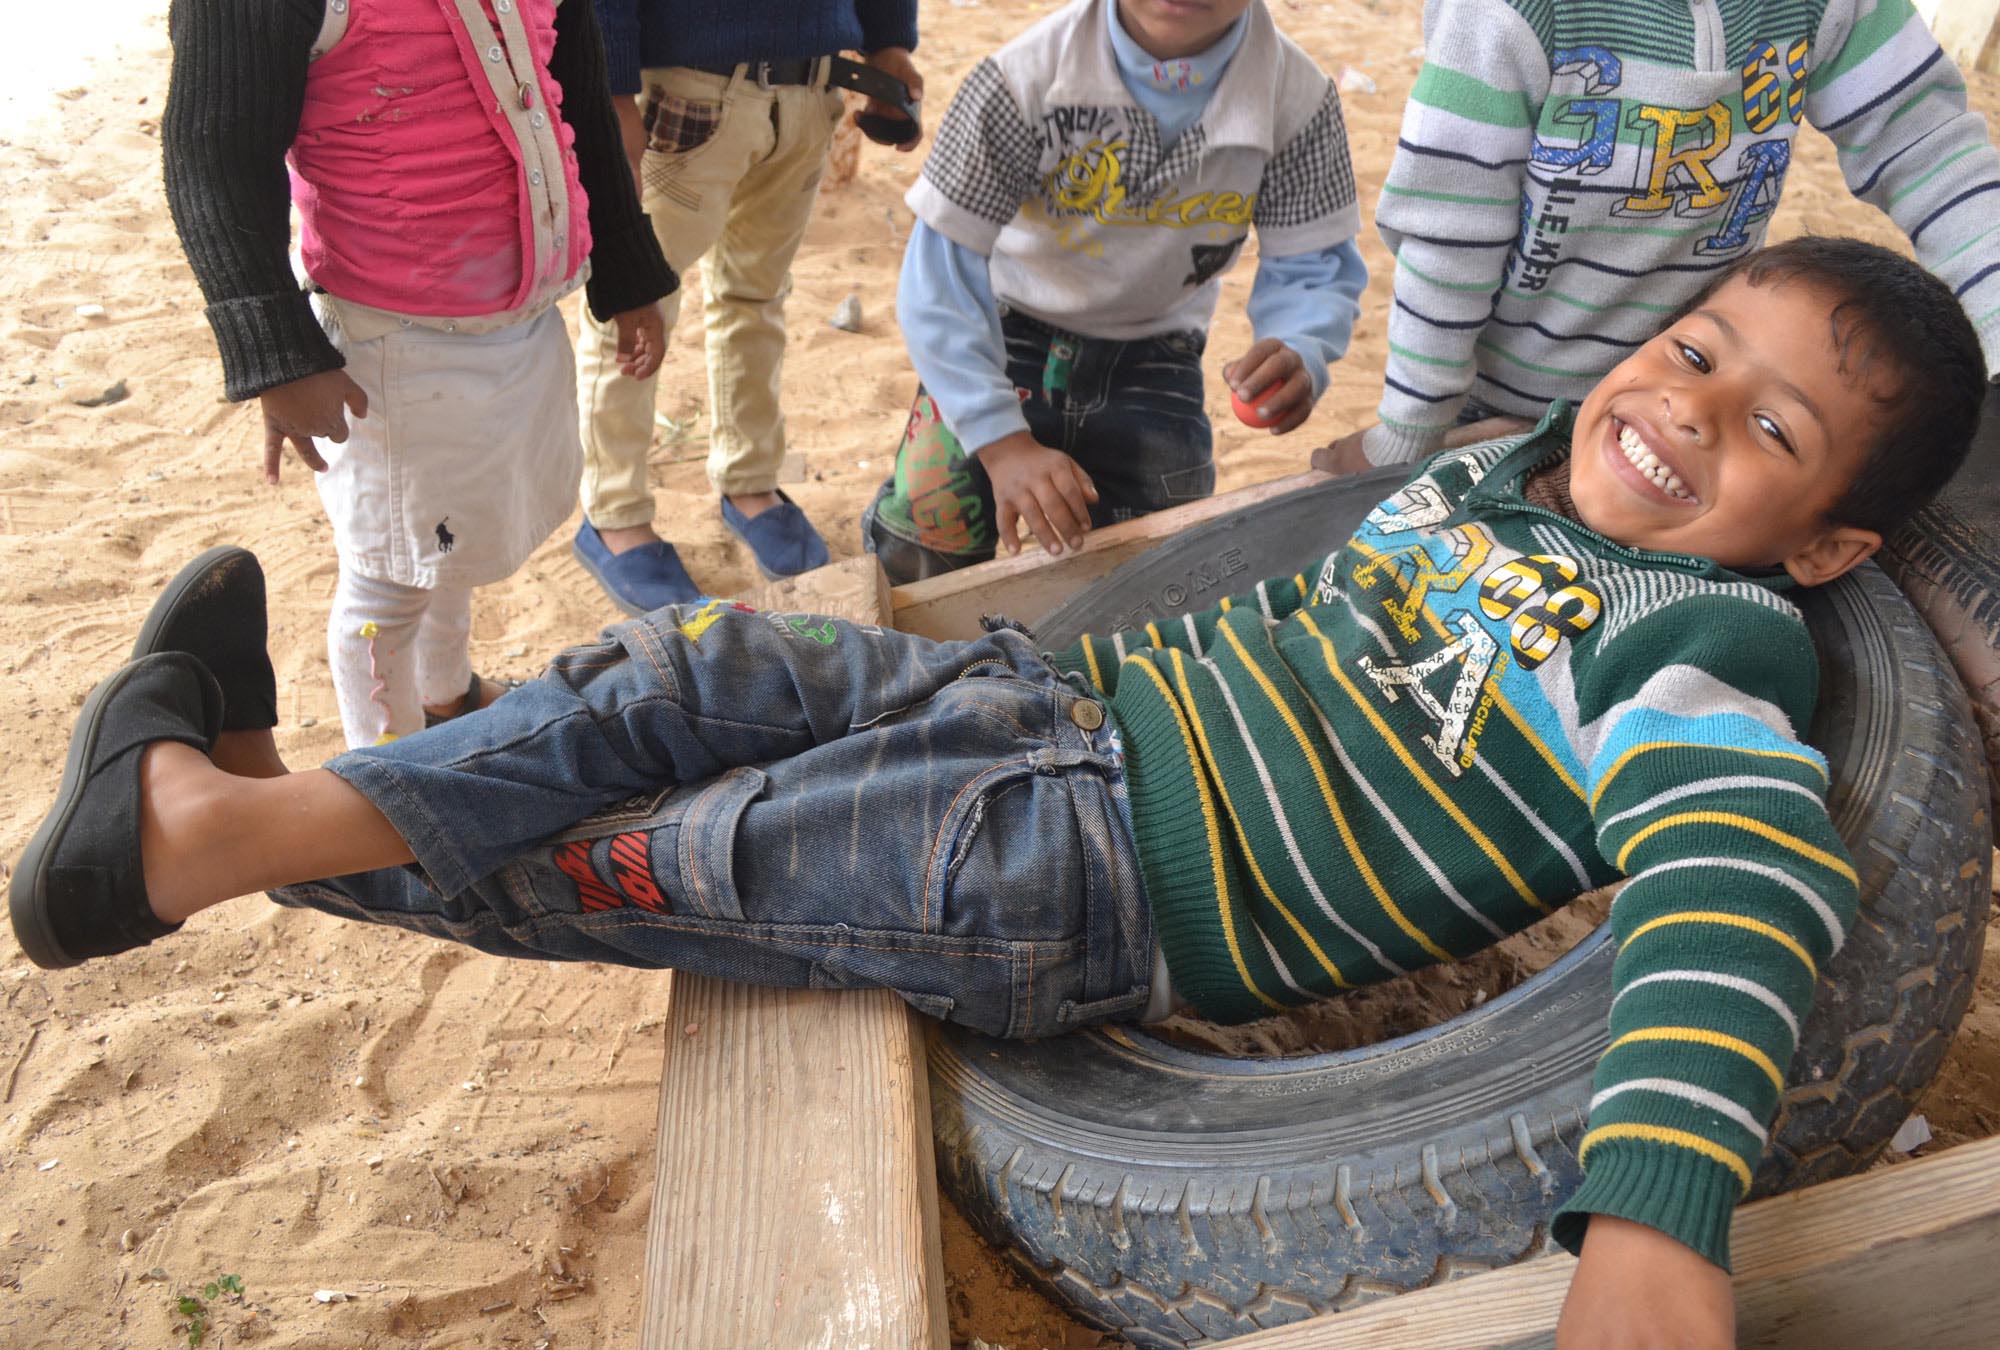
1088, 715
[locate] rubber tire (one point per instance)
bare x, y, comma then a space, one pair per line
1178, 1198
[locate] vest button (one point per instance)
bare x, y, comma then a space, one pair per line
1088, 715
538, 121
535, 177
494, 53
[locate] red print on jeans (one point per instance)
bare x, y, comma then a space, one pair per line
631, 879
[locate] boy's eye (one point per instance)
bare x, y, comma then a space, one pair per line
1770, 428
1694, 358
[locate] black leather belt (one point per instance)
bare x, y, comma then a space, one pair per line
764, 74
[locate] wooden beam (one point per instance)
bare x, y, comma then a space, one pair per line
1900, 1256
1966, 29
795, 1193
1033, 582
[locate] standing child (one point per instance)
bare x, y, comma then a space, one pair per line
1569, 173
1090, 183
440, 158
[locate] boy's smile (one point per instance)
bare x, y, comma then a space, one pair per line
1731, 434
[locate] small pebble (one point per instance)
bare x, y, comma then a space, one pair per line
128, 1239
308, 722
90, 311
847, 314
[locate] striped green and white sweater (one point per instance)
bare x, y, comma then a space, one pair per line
1475, 710
1571, 171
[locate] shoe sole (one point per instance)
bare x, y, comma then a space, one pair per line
171, 595
625, 606
27, 889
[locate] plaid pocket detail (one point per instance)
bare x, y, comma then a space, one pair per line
676, 125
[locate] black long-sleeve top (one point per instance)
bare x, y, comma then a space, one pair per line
234, 101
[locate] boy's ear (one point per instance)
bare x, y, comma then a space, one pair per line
1838, 551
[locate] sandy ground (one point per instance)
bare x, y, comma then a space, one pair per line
458, 1148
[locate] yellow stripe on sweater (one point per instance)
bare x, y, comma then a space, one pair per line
1754, 826
1090, 659
1644, 746
1153, 634
1249, 856
1660, 1134
1702, 1036
1438, 794
1375, 886
1214, 829
1726, 920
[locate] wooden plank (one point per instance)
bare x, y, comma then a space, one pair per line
1966, 31
1033, 582
1898, 1256
795, 1192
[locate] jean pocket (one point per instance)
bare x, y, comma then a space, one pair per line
706, 845
1008, 862
1187, 485
676, 125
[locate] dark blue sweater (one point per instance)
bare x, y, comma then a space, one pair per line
644, 34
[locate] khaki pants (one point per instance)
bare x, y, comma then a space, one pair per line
729, 177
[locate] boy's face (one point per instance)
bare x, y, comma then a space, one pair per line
1173, 28
1729, 436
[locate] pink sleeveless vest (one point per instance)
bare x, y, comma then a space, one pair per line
432, 170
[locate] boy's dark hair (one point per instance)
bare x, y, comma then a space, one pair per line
1889, 311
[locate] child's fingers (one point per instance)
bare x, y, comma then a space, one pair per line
1063, 507
1008, 521
1083, 481
1254, 378
355, 397
274, 453
309, 453
1034, 512
1295, 398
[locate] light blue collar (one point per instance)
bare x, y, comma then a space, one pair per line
1175, 92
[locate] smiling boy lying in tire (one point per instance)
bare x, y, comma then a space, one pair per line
1544, 663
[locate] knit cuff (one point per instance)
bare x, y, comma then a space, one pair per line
1684, 1195
1395, 443
627, 270
269, 340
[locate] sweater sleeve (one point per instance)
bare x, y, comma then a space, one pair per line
951, 325
1738, 893
627, 269
1309, 302
234, 97
887, 23
1100, 657
1450, 211
1894, 105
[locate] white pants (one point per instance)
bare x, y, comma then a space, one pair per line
393, 649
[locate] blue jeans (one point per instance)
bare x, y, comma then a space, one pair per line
779, 799
1129, 412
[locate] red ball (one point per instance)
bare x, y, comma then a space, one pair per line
1246, 413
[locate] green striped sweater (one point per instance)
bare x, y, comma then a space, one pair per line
1570, 171
1475, 710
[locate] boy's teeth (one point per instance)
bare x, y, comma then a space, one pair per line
1649, 465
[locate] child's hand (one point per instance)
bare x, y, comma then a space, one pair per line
1273, 377
299, 410
1044, 488
642, 340
896, 62
1635, 1288
1343, 455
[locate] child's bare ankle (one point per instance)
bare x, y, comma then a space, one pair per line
178, 788
248, 754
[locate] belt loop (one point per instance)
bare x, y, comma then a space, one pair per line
763, 69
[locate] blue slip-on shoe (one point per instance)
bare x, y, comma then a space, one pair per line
639, 580
78, 890
782, 540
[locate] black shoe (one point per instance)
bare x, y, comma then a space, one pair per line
78, 890
214, 610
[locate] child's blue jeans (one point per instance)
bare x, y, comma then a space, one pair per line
780, 799
1129, 412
